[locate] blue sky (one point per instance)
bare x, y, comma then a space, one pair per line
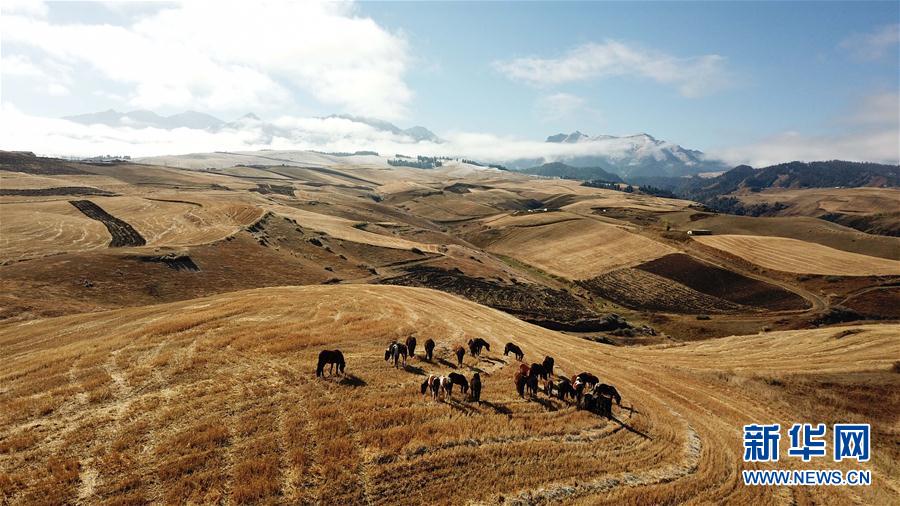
750, 82
784, 60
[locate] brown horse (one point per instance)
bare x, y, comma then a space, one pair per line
515, 350
538, 371
520, 381
411, 345
331, 358
587, 378
429, 349
608, 391
460, 353
524, 369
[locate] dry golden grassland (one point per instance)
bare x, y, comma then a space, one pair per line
792, 255
214, 400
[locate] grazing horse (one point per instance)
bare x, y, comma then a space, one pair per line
436, 387
476, 387
476, 345
429, 349
411, 345
538, 371
520, 380
578, 387
563, 389
446, 385
608, 391
459, 379
426, 385
548, 365
531, 385
460, 353
332, 358
515, 350
587, 378
597, 403
524, 369
394, 352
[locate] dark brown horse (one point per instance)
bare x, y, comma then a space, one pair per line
429, 349
608, 391
476, 345
531, 385
515, 350
476, 387
520, 380
538, 371
460, 353
524, 369
411, 345
459, 379
331, 358
562, 389
548, 365
587, 378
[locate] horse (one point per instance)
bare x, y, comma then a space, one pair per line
520, 380
531, 385
429, 349
598, 403
426, 385
394, 352
435, 387
538, 371
447, 385
548, 365
476, 387
460, 353
578, 387
524, 369
563, 389
459, 379
332, 358
476, 345
515, 350
587, 378
411, 345
608, 391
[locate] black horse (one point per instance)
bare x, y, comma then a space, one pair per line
476, 387
476, 345
548, 365
331, 358
429, 349
459, 379
411, 345
515, 350
587, 378
608, 391
561, 388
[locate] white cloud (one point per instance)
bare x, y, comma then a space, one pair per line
879, 109
235, 55
34, 8
559, 105
693, 77
874, 45
52, 78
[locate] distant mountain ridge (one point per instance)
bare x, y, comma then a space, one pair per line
637, 155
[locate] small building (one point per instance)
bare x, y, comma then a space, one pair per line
700, 231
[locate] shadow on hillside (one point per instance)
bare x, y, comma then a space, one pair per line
459, 406
629, 428
351, 380
498, 408
413, 369
446, 363
493, 360
546, 403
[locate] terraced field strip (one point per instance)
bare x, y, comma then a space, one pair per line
791, 255
122, 233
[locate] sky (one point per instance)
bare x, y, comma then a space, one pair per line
744, 82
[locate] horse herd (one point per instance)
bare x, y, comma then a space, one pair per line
585, 389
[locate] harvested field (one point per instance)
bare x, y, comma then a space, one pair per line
215, 400
36, 229
641, 289
723, 283
791, 255
50, 192
266, 189
576, 249
122, 233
